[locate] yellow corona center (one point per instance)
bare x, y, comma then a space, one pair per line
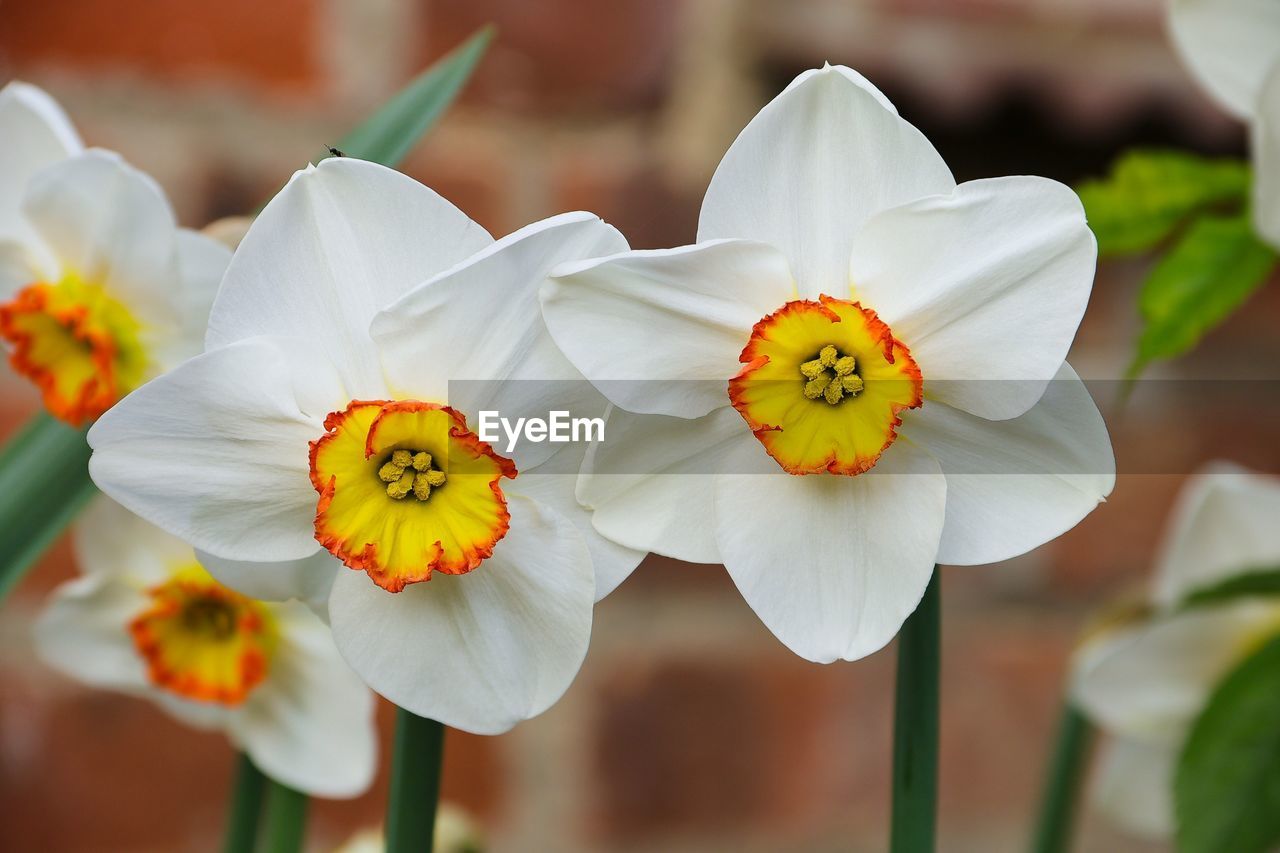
822, 386
203, 641
76, 343
407, 490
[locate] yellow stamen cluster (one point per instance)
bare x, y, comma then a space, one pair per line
409, 472
210, 616
830, 376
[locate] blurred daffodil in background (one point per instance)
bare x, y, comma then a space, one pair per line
100, 289
146, 619
1147, 681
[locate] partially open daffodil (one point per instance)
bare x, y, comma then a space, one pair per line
856, 372
1145, 682
146, 619
325, 429
99, 288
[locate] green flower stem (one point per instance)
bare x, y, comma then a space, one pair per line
44, 482
246, 807
1062, 782
286, 819
915, 728
415, 783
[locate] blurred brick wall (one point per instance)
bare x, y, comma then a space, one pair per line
690, 727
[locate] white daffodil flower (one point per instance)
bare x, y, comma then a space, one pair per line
1233, 49
324, 426
146, 619
100, 289
888, 338
1145, 683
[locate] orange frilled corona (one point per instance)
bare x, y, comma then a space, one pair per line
78, 345
406, 490
203, 641
822, 386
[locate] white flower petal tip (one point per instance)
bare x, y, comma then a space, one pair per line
851, 585
341, 241
789, 180
1223, 525
507, 639
493, 294
1266, 160
21, 102
1014, 485
991, 309
1229, 45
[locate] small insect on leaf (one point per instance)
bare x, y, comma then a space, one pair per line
336, 152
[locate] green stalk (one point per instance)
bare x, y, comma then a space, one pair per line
44, 482
1062, 782
415, 783
286, 819
915, 728
246, 807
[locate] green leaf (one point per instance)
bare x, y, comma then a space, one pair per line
390, 133
44, 482
1227, 784
1209, 272
1149, 193
1250, 583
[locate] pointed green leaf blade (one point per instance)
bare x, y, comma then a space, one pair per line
1211, 270
1150, 193
1227, 784
388, 135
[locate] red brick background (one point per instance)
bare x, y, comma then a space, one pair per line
690, 727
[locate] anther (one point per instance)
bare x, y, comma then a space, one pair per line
421, 460
831, 376
401, 487
421, 486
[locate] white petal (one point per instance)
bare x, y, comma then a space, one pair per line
1229, 45
1224, 524
1266, 160
1154, 680
110, 540
201, 262
216, 451
832, 565
338, 243
83, 632
1133, 785
481, 320
613, 563
814, 165
310, 724
651, 484
112, 225
481, 651
36, 134
660, 331
309, 579
23, 263
985, 286
1014, 485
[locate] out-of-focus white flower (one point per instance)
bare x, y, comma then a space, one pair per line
851, 375
100, 289
456, 832
146, 619
1146, 681
325, 425
1233, 48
